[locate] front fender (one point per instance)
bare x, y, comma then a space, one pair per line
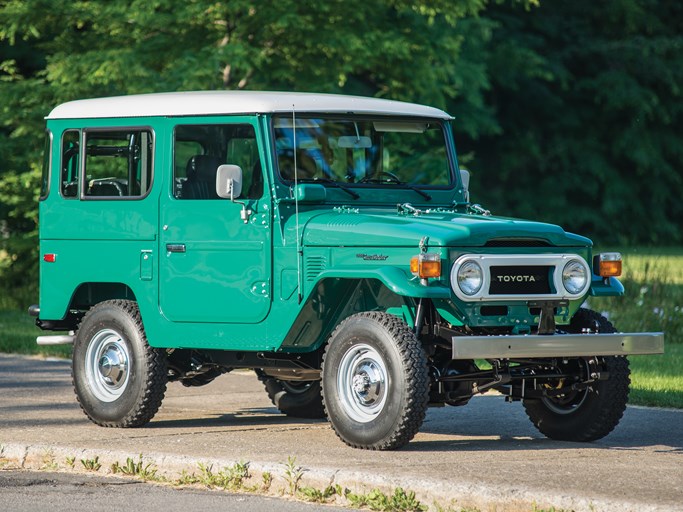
395, 279
606, 287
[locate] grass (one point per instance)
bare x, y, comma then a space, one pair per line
18, 334
653, 302
654, 295
658, 380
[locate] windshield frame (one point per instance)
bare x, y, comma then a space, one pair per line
442, 124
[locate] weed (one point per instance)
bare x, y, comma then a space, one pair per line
71, 462
551, 509
439, 508
49, 461
91, 464
137, 469
400, 501
230, 478
187, 479
293, 475
319, 496
266, 481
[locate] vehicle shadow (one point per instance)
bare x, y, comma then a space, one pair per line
486, 424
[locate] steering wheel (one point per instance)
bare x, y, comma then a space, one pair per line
392, 177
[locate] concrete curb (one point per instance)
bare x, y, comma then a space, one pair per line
453, 496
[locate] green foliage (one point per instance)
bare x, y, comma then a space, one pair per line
588, 100
320, 495
56, 52
293, 475
654, 295
137, 469
92, 464
229, 478
377, 500
657, 381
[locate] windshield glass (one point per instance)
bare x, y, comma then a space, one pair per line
362, 151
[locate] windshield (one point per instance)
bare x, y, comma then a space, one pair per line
362, 151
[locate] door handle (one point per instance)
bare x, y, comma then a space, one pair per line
175, 247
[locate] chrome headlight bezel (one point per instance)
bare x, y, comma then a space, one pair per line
575, 277
469, 277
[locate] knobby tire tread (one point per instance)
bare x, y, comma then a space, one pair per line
415, 365
614, 391
155, 371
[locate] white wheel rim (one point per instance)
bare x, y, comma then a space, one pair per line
107, 365
362, 382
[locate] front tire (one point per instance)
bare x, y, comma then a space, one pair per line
375, 381
588, 414
119, 379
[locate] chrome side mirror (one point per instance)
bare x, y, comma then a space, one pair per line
465, 178
229, 186
229, 181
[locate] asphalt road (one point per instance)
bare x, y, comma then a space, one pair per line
24, 491
486, 454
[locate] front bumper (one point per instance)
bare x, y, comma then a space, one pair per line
557, 345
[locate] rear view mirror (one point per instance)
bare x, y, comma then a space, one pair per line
229, 181
353, 142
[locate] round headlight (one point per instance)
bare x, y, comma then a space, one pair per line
574, 277
470, 277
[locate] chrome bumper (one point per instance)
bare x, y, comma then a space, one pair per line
557, 345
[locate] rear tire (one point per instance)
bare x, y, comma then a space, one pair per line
297, 399
590, 414
375, 381
119, 379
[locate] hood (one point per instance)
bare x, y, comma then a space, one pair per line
388, 228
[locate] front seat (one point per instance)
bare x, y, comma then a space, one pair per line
201, 177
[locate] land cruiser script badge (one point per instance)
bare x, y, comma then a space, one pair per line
371, 257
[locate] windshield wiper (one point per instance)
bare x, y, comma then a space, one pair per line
395, 181
421, 192
333, 183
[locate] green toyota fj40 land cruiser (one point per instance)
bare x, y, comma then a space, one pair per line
328, 243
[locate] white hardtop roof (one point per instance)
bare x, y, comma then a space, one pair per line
235, 102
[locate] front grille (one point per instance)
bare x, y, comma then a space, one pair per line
520, 280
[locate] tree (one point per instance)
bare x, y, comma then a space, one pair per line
54, 52
589, 103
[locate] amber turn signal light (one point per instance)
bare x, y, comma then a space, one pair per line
426, 265
609, 264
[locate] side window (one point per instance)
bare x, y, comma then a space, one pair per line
69, 164
47, 163
200, 149
118, 163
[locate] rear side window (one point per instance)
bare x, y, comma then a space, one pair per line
118, 163
47, 163
70, 167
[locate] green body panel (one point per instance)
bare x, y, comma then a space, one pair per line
278, 281
385, 227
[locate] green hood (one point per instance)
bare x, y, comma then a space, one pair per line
387, 228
